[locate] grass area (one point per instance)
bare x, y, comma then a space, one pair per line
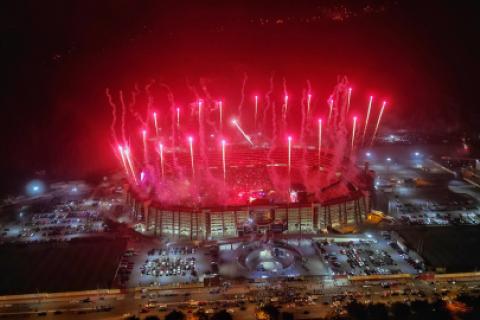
80, 264
453, 248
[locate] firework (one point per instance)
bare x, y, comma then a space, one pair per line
220, 109
190, 142
378, 121
178, 117
130, 164
309, 100
285, 107
235, 123
319, 141
367, 118
330, 111
155, 123
353, 131
289, 155
224, 165
145, 148
124, 164
162, 162
200, 102
349, 97
256, 110
316, 147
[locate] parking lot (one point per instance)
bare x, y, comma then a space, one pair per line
151, 262
416, 190
62, 221
372, 253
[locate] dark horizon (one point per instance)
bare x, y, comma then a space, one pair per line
60, 56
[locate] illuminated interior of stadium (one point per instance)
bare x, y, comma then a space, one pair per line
204, 175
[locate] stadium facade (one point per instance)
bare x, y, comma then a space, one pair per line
209, 223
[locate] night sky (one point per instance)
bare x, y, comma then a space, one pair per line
59, 56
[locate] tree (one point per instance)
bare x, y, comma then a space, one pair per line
272, 311
420, 309
472, 305
400, 311
201, 315
287, 316
377, 311
357, 311
439, 311
152, 318
175, 315
133, 318
221, 315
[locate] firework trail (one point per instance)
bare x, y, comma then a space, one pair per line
274, 124
209, 104
353, 133
304, 116
338, 133
330, 109
242, 99
303, 144
203, 86
150, 99
133, 112
131, 104
114, 116
256, 112
194, 91
220, 115
173, 108
367, 118
124, 110
378, 122
309, 92
349, 98
197, 108
285, 104
267, 101
247, 138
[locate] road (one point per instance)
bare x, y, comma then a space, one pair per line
317, 299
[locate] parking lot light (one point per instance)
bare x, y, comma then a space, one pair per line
368, 154
417, 153
389, 159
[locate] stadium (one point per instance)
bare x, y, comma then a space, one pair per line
204, 178
260, 194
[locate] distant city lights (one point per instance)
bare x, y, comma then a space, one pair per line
35, 188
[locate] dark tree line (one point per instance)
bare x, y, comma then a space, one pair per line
417, 310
